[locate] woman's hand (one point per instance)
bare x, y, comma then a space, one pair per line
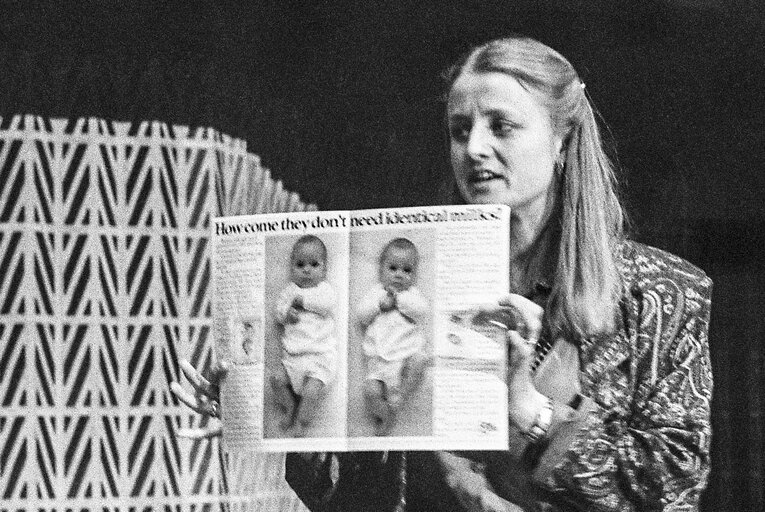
525, 326
205, 400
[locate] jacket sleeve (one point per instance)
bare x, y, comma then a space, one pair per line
358, 481
309, 475
644, 443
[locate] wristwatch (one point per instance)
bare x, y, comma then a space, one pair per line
541, 425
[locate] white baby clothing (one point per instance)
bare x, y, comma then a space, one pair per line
309, 346
392, 336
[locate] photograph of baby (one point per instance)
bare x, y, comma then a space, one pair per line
304, 312
390, 333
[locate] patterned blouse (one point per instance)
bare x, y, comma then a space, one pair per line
636, 437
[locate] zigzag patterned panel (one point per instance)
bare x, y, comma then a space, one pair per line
104, 285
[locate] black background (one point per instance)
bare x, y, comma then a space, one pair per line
342, 102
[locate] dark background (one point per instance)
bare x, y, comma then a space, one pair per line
341, 101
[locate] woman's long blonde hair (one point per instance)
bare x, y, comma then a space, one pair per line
586, 284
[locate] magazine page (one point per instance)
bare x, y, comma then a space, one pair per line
280, 285
426, 371
362, 330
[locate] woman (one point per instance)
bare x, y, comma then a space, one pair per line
609, 377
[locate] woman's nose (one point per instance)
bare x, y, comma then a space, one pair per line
478, 142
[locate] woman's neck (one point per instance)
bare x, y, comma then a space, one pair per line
531, 246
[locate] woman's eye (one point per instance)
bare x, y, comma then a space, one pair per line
502, 128
459, 132
315, 264
408, 270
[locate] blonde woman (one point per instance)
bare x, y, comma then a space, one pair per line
609, 376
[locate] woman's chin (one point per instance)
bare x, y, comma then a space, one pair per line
486, 195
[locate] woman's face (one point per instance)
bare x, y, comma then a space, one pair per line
503, 146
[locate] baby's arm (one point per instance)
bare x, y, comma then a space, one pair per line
388, 303
285, 304
320, 300
369, 305
413, 305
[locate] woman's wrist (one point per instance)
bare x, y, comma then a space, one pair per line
541, 426
525, 411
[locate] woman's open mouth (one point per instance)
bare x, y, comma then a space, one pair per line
483, 176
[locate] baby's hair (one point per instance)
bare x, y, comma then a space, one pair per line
310, 239
400, 243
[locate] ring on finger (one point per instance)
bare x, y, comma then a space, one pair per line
213, 408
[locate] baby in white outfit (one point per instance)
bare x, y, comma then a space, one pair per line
393, 313
305, 309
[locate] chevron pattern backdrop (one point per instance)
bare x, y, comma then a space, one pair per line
104, 284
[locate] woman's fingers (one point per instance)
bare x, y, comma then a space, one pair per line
196, 402
528, 315
522, 352
200, 433
199, 383
204, 399
517, 315
522, 320
218, 372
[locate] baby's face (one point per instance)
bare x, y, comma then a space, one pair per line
307, 265
398, 269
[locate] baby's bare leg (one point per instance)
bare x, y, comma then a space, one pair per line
413, 372
310, 401
377, 405
285, 398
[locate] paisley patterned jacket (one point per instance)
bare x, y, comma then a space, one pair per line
637, 438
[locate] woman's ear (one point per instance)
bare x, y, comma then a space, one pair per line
559, 168
560, 160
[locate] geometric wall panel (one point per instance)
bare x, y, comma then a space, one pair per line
104, 285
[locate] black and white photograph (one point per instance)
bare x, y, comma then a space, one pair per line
390, 341
305, 336
627, 139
